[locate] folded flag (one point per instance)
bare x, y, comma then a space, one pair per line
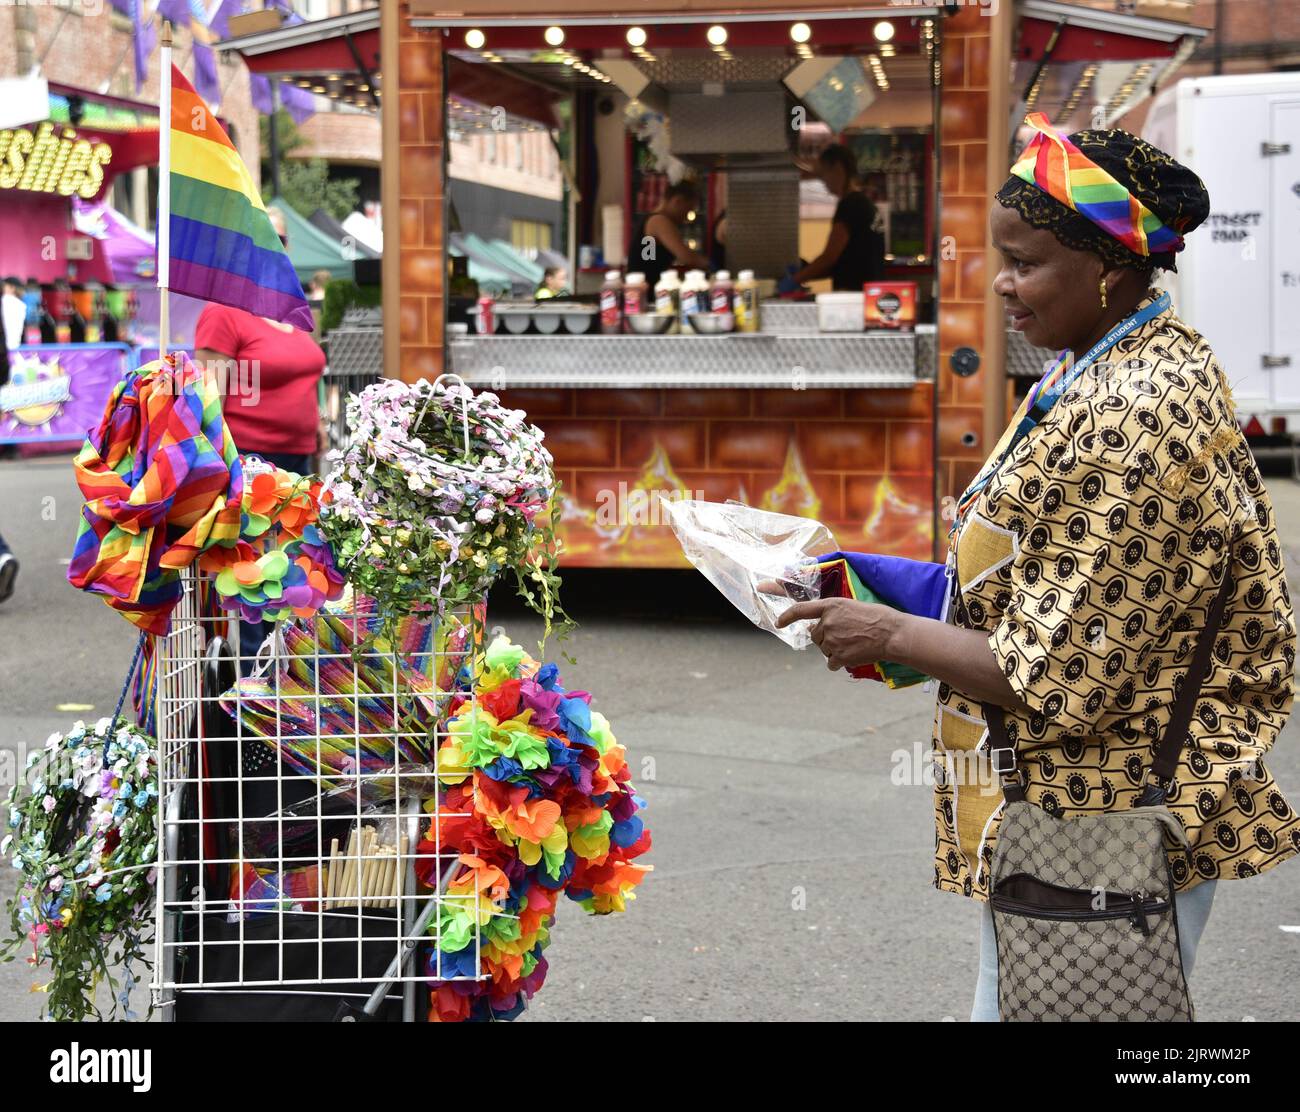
223, 245
917, 586
913, 586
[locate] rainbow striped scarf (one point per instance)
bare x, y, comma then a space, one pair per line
1060, 169
162, 482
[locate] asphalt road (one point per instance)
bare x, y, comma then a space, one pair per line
792, 879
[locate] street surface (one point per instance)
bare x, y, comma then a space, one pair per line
792, 878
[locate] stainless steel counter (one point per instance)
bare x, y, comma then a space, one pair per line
759, 359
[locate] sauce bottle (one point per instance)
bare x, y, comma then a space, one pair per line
694, 296
635, 295
746, 302
721, 292
611, 304
668, 299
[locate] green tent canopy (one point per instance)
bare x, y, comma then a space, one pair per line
310, 249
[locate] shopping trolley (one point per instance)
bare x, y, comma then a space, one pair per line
301, 871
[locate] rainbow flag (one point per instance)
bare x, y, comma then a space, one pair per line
222, 244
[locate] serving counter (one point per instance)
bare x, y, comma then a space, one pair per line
789, 353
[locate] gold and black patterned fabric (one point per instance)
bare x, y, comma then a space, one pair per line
1091, 559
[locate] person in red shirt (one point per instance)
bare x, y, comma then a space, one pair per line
270, 373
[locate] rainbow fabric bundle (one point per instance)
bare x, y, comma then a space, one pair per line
913, 586
162, 481
537, 801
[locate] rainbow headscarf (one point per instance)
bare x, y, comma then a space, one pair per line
162, 482
1063, 171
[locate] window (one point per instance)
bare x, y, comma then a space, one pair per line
529, 236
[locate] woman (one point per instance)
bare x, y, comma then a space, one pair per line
1085, 555
656, 243
855, 249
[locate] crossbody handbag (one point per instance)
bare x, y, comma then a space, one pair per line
1083, 908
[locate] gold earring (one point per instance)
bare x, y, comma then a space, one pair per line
1102, 286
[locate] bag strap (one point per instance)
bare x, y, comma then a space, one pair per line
1159, 777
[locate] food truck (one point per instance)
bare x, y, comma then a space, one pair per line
868, 409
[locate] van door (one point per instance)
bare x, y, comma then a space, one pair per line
1284, 252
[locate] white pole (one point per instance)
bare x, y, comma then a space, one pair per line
164, 187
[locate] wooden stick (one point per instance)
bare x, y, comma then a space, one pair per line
331, 878
386, 877
368, 871
349, 869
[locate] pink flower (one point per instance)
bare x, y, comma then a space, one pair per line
48, 803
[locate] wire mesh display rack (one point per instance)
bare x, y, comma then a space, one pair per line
301, 868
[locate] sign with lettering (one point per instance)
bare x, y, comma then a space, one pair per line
52, 159
57, 392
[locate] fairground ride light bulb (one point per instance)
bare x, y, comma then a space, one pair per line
475, 39
717, 35
636, 36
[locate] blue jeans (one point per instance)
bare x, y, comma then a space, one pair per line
1193, 913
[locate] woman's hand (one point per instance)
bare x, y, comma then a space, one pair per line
849, 633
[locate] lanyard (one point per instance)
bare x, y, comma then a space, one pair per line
1045, 393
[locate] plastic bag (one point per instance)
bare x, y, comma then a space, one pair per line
736, 547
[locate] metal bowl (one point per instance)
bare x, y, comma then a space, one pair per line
578, 318
514, 320
649, 324
547, 320
712, 324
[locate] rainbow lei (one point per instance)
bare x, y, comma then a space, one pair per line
280, 566
537, 800
1054, 164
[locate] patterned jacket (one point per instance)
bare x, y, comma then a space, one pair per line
1091, 560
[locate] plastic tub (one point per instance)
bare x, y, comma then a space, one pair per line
840, 312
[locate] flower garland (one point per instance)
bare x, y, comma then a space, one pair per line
280, 565
438, 493
83, 835
537, 802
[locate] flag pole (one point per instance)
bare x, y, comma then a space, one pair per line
164, 187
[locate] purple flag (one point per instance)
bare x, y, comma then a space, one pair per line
143, 39
299, 103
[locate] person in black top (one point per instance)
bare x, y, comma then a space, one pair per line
855, 250
657, 245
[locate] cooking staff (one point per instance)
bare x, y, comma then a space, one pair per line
657, 244
855, 249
